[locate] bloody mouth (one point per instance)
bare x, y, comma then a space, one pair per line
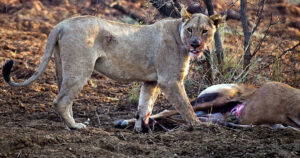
195, 52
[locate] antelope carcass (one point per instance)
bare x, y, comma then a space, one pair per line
272, 103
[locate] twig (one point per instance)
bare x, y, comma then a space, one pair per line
232, 5
289, 49
123, 137
283, 53
259, 16
226, 12
232, 14
244, 73
170, 8
177, 5
267, 32
163, 127
218, 42
98, 117
233, 125
123, 10
174, 121
19, 154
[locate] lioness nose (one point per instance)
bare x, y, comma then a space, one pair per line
195, 44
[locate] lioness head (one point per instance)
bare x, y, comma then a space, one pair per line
197, 31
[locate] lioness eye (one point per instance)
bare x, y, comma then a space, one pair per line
204, 31
189, 30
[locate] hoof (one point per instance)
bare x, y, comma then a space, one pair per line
200, 113
121, 123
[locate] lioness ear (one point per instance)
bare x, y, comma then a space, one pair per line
185, 14
217, 19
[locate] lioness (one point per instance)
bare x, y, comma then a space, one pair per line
157, 55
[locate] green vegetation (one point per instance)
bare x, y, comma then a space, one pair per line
133, 96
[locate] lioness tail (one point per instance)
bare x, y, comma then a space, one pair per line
52, 40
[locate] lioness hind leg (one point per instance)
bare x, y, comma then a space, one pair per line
58, 70
148, 95
64, 100
58, 67
75, 74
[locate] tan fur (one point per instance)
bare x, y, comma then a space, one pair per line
273, 103
240, 92
157, 55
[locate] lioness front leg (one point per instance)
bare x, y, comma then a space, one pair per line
148, 95
175, 93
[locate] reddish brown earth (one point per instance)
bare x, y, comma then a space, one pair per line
29, 126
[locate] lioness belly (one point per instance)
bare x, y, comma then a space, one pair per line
125, 71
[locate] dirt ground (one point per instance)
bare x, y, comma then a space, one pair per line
29, 126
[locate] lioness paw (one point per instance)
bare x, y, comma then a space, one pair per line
138, 126
78, 126
141, 126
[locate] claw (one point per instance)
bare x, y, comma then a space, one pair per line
87, 122
148, 127
78, 126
